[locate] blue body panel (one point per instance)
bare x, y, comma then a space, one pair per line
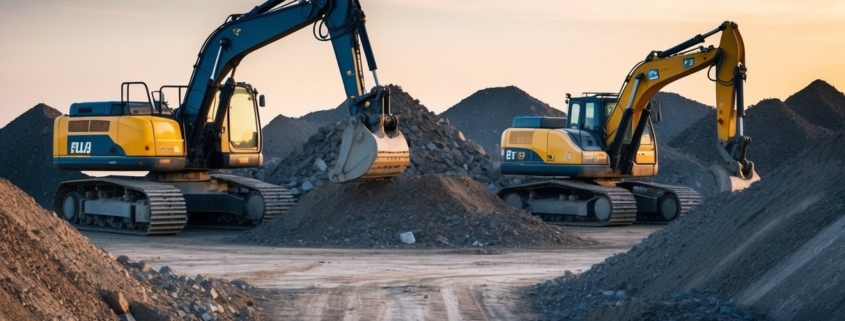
93, 145
118, 163
539, 122
97, 108
523, 161
540, 169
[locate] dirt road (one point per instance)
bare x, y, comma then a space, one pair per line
351, 284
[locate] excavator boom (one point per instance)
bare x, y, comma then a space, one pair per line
661, 68
378, 150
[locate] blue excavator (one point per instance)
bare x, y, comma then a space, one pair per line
215, 125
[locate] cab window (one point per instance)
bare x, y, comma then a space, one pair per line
575, 115
591, 117
243, 122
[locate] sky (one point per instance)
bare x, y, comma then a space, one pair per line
439, 51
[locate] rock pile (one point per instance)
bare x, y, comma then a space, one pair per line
198, 298
285, 135
754, 248
436, 148
27, 158
49, 271
484, 115
440, 211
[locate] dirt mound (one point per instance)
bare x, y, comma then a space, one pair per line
678, 114
441, 211
50, 271
776, 131
285, 135
484, 115
776, 247
27, 158
821, 104
436, 148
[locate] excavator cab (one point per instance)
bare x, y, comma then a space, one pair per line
588, 116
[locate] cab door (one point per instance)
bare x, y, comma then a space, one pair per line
647, 154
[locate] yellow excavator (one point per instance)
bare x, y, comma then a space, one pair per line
215, 125
608, 139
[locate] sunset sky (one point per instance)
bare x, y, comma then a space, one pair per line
440, 51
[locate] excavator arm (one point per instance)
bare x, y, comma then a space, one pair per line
242, 34
627, 120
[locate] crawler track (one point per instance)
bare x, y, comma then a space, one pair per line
167, 206
687, 197
623, 204
277, 200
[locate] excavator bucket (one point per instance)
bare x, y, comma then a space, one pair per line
728, 182
367, 155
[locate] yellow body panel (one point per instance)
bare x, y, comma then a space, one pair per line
646, 153
556, 147
60, 136
561, 148
168, 137
136, 135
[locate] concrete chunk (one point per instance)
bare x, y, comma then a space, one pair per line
320, 165
407, 238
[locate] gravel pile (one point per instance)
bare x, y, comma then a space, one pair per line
440, 211
27, 158
677, 168
436, 148
776, 131
779, 132
679, 113
776, 248
484, 115
49, 271
285, 135
821, 104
